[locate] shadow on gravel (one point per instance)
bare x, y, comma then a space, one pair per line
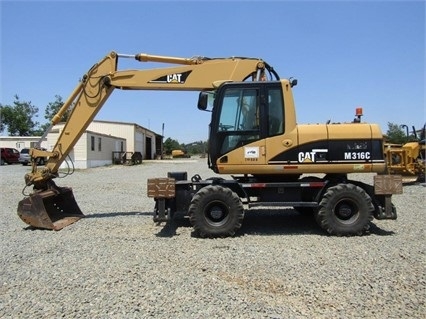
289, 222
267, 222
256, 222
116, 214
99, 215
169, 229
375, 230
35, 228
278, 222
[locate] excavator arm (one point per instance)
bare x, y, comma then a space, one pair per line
53, 207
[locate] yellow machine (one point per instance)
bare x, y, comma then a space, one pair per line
179, 154
253, 136
407, 159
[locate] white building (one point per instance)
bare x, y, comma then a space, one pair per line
20, 142
103, 143
139, 139
92, 149
102, 138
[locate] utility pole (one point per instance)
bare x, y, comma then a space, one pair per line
162, 141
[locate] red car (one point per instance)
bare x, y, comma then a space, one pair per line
9, 155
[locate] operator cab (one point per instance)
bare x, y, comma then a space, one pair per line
242, 113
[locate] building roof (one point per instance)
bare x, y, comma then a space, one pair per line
106, 135
123, 123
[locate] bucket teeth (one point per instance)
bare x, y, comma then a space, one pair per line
50, 209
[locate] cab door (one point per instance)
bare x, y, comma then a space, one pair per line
238, 127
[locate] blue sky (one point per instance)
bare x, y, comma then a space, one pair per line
345, 54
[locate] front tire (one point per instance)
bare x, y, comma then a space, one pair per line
216, 211
345, 209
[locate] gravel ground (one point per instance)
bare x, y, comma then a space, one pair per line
117, 263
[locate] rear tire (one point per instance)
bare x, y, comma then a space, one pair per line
345, 209
216, 211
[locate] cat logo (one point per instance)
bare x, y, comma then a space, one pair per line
309, 157
174, 78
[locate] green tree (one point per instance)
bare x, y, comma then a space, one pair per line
396, 134
4, 113
171, 144
194, 148
18, 118
51, 109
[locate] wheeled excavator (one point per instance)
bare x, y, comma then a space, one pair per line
253, 137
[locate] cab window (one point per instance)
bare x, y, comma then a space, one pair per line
239, 119
275, 112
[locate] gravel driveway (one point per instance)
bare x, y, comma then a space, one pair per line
117, 263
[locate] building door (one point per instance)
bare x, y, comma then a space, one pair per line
148, 148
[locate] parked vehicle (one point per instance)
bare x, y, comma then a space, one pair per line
409, 159
180, 154
9, 155
25, 158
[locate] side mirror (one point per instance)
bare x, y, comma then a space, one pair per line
203, 101
293, 82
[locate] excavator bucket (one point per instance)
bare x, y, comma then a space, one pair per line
50, 209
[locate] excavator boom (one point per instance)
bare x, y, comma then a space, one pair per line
53, 207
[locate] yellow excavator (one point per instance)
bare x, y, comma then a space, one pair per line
253, 137
408, 159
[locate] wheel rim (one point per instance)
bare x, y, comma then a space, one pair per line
216, 213
346, 211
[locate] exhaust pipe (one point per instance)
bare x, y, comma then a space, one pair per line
50, 209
